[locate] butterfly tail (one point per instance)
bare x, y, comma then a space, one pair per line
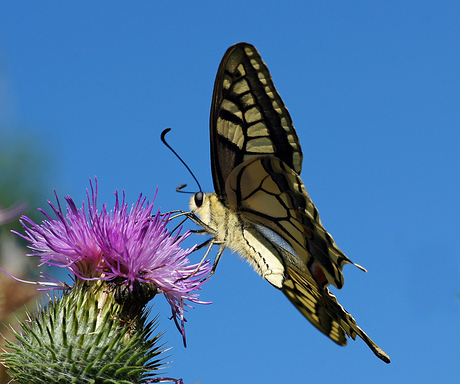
322, 309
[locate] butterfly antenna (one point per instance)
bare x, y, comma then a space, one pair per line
179, 188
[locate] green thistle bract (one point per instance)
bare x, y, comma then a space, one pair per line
80, 338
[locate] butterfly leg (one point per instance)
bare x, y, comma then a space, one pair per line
216, 260
204, 227
179, 213
210, 243
200, 232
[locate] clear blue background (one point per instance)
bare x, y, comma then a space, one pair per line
374, 92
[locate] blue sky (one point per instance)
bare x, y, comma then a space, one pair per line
374, 92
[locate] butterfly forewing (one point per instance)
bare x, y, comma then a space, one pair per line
248, 117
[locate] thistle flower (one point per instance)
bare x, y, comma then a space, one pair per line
118, 260
128, 248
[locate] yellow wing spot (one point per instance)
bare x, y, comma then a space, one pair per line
295, 146
277, 106
262, 78
231, 131
237, 136
258, 129
313, 315
309, 304
227, 83
248, 99
260, 145
285, 123
241, 69
252, 115
241, 86
297, 160
255, 64
334, 332
248, 51
231, 107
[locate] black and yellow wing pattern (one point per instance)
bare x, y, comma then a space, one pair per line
260, 207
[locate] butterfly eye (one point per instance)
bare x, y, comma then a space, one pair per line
199, 199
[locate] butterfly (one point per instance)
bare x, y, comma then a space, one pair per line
260, 208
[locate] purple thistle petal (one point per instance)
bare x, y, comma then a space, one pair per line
50, 285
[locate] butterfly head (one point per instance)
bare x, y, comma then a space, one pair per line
197, 200
200, 205
208, 208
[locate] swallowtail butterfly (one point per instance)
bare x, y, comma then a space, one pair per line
260, 207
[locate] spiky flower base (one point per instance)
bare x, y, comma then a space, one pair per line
81, 338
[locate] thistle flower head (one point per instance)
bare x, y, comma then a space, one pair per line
129, 246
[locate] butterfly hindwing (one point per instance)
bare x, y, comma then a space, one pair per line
267, 192
248, 117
